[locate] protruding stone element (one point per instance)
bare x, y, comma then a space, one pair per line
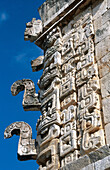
30, 99
33, 30
37, 64
26, 146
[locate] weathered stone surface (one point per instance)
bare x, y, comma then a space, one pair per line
105, 85
99, 153
102, 32
99, 8
106, 109
107, 133
78, 164
104, 65
103, 164
89, 167
102, 48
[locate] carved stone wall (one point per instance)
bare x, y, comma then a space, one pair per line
74, 93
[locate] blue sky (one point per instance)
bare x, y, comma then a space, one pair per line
16, 55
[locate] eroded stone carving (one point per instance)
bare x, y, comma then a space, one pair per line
30, 99
33, 29
27, 145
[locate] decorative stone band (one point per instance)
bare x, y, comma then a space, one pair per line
26, 145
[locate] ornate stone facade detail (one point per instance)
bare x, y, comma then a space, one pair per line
73, 122
26, 145
30, 99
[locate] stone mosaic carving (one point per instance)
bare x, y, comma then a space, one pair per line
26, 145
30, 99
69, 99
33, 29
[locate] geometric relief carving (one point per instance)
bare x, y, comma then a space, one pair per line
51, 103
68, 115
67, 127
26, 146
89, 102
69, 158
91, 130
55, 59
47, 134
47, 153
48, 76
47, 121
51, 165
68, 143
67, 85
70, 99
85, 74
67, 46
30, 100
52, 37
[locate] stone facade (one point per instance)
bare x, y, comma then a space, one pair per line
74, 95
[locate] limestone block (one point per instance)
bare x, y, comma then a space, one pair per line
102, 32
31, 99
99, 154
78, 164
107, 133
89, 167
104, 65
68, 143
105, 85
106, 16
102, 48
106, 109
108, 4
103, 164
99, 8
26, 145
33, 30
37, 64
